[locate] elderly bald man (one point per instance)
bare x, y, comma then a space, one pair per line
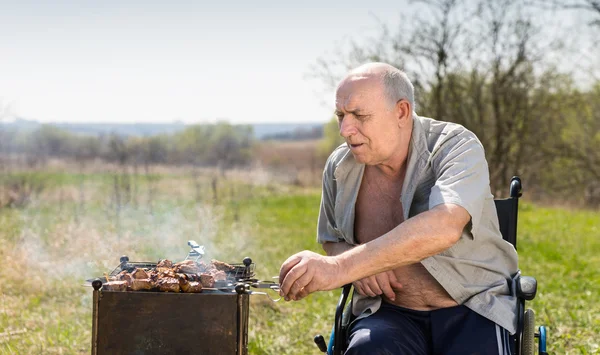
407, 216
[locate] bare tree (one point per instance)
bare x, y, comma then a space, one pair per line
508, 41
590, 6
576, 167
435, 48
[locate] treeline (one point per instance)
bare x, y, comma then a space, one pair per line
488, 66
222, 144
298, 134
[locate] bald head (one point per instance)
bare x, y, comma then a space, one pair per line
396, 84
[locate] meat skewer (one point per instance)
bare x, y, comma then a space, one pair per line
187, 276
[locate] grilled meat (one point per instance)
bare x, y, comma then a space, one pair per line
207, 280
190, 286
114, 286
168, 284
160, 272
165, 263
187, 267
185, 276
220, 275
219, 265
126, 277
194, 287
139, 274
141, 284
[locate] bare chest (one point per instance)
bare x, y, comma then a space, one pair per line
378, 209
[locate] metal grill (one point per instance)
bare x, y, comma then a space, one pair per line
214, 321
240, 271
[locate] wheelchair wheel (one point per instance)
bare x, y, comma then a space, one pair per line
528, 336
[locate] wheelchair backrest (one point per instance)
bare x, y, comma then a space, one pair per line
508, 210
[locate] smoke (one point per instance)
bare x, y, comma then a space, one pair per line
68, 245
50, 249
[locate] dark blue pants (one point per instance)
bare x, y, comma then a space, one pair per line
455, 330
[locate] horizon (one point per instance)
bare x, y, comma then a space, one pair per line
279, 123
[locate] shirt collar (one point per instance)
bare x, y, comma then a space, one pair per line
417, 162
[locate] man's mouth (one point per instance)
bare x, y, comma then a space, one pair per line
355, 145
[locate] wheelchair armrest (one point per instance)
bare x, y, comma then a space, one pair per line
526, 287
339, 336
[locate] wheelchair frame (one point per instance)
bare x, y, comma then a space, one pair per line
507, 210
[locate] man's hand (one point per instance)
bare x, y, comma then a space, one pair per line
380, 284
307, 272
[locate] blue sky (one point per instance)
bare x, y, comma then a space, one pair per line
194, 61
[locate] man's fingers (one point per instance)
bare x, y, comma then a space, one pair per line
386, 288
358, 287
321, 274
380, 284
305, 291
396, 285
367, 289
299, 286
288, 265
393, 280
374, 286
290, 277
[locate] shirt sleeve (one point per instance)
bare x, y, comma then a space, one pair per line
326, 227
462, 176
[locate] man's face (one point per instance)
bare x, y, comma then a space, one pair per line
367, 120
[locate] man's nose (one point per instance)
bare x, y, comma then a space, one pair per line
347, 128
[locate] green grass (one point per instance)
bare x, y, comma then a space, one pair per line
50, 252
561, 249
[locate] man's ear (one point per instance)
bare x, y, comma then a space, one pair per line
403, 111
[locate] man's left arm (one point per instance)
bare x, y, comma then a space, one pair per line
455, 202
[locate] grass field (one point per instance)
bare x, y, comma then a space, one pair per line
49, 247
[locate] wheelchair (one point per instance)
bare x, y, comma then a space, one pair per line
526, 288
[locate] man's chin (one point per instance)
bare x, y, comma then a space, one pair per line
359, 158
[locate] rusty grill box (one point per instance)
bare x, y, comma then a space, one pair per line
169, 323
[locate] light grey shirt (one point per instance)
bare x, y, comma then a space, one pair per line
446, 164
